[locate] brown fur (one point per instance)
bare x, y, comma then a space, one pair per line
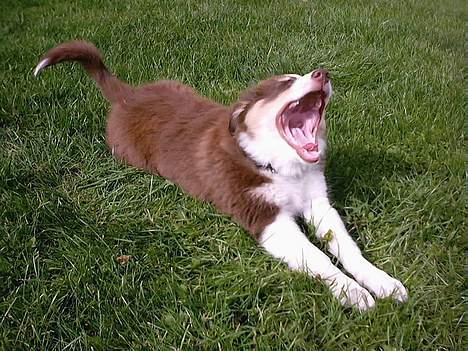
168, 129
265, 90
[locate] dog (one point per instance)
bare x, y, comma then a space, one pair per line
260, 161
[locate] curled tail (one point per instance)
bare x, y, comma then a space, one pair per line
90, 58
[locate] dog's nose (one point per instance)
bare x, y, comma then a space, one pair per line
321, 75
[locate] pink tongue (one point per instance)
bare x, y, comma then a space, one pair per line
311, 147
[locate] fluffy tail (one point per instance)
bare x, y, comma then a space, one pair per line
90, 58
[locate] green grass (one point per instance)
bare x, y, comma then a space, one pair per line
195, 280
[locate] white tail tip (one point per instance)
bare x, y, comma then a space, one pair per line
43, 64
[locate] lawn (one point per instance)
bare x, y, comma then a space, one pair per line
195, 280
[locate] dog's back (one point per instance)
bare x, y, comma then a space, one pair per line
157, 123
168, 129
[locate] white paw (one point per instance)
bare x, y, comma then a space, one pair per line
383, 285
351, 293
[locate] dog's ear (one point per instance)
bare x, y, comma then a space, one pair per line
237, 115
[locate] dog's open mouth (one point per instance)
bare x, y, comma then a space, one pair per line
298, 124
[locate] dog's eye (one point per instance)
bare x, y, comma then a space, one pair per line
290, 78
289, 81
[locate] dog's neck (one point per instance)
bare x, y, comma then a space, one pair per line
260, 166
275, 166
264, 157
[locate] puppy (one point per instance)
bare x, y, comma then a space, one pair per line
261, 161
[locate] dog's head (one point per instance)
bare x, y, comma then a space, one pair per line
283, 118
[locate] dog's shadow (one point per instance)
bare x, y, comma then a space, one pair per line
360, 173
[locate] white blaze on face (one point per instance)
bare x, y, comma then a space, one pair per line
289, 76
306, 84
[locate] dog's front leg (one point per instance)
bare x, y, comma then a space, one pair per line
283, 239
330, 228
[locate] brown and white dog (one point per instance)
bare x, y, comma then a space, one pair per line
261, 161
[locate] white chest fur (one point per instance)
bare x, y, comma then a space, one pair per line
294, 194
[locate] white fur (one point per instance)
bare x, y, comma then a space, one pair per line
306, 84
284, 240
299, 188
41, 66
